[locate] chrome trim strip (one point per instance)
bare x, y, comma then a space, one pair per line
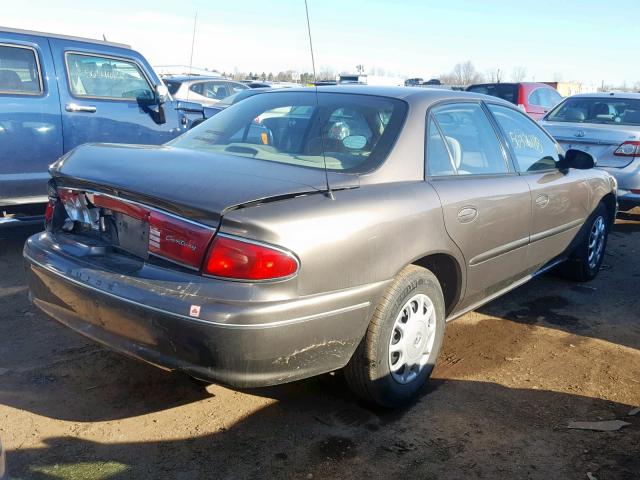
24, 176
10, 201
241, 326
556, 230
496, 252
508, 288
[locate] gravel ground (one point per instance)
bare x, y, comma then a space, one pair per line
509, 380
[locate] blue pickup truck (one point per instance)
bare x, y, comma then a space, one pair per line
57, 92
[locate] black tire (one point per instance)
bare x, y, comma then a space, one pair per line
580, 266
368, 373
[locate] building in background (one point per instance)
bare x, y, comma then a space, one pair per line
566, 89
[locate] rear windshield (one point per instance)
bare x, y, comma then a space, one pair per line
173, 86
508, 92
612, 110
349, 132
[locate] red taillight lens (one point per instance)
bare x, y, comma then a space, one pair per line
178, 240
231, 258
48, 213
628, 149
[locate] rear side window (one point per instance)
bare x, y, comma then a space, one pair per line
351, 133
212, 90
533, 148
505, 91
19, 71
105, 77
439, 162
470, 140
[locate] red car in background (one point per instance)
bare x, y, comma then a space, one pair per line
536, 99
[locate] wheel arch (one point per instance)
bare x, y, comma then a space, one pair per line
447, 270
609, 201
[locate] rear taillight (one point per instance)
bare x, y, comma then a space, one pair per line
241, 260
48, 213
178, 240
628, 149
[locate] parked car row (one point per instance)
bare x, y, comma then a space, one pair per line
536, 99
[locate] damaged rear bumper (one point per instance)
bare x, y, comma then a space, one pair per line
243, 344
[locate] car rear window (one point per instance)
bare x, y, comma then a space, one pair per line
508, 92
349, 132
19, 71
611, 110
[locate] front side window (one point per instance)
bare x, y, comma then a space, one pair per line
103, 77
19, 71
470, 139
608, 110
349, 132
533, 149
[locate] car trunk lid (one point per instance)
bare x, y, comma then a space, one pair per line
596, 139
201, 186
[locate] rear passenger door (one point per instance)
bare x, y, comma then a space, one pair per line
107, 95
30, 125
486, 204
559, 199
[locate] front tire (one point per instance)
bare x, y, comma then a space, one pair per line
585, 261
397, 354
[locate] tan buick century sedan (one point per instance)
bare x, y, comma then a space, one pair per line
299, 232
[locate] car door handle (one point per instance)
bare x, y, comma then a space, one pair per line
542, 200
74, 107
467, 214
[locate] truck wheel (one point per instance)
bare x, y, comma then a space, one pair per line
585, 261
399, 350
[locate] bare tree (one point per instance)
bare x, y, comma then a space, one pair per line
326, 73
466, 74
518, 74
493, 74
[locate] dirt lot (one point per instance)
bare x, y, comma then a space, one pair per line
510, 378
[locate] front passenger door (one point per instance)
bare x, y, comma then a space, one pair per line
559, 199
486, 205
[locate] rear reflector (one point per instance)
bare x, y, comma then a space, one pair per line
48, 213
240, 260
178, 240
628, 149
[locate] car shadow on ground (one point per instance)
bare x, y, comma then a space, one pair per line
316, 429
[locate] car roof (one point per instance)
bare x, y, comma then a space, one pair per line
196, 78
510, 84
424, 95
629, 95
63, 37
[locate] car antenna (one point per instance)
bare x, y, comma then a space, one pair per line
193, 42
315, 86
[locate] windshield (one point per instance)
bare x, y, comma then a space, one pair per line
350, 132
505, 91
611, 110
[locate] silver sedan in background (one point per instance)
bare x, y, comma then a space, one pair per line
607, 125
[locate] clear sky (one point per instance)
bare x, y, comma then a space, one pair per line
587, 40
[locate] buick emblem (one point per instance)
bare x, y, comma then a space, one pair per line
580, 133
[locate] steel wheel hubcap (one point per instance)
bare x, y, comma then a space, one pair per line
596, 242
412, 338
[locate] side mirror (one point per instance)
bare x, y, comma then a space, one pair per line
577, 159
162, 93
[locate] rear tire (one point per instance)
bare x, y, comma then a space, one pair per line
585, 261
398, 352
